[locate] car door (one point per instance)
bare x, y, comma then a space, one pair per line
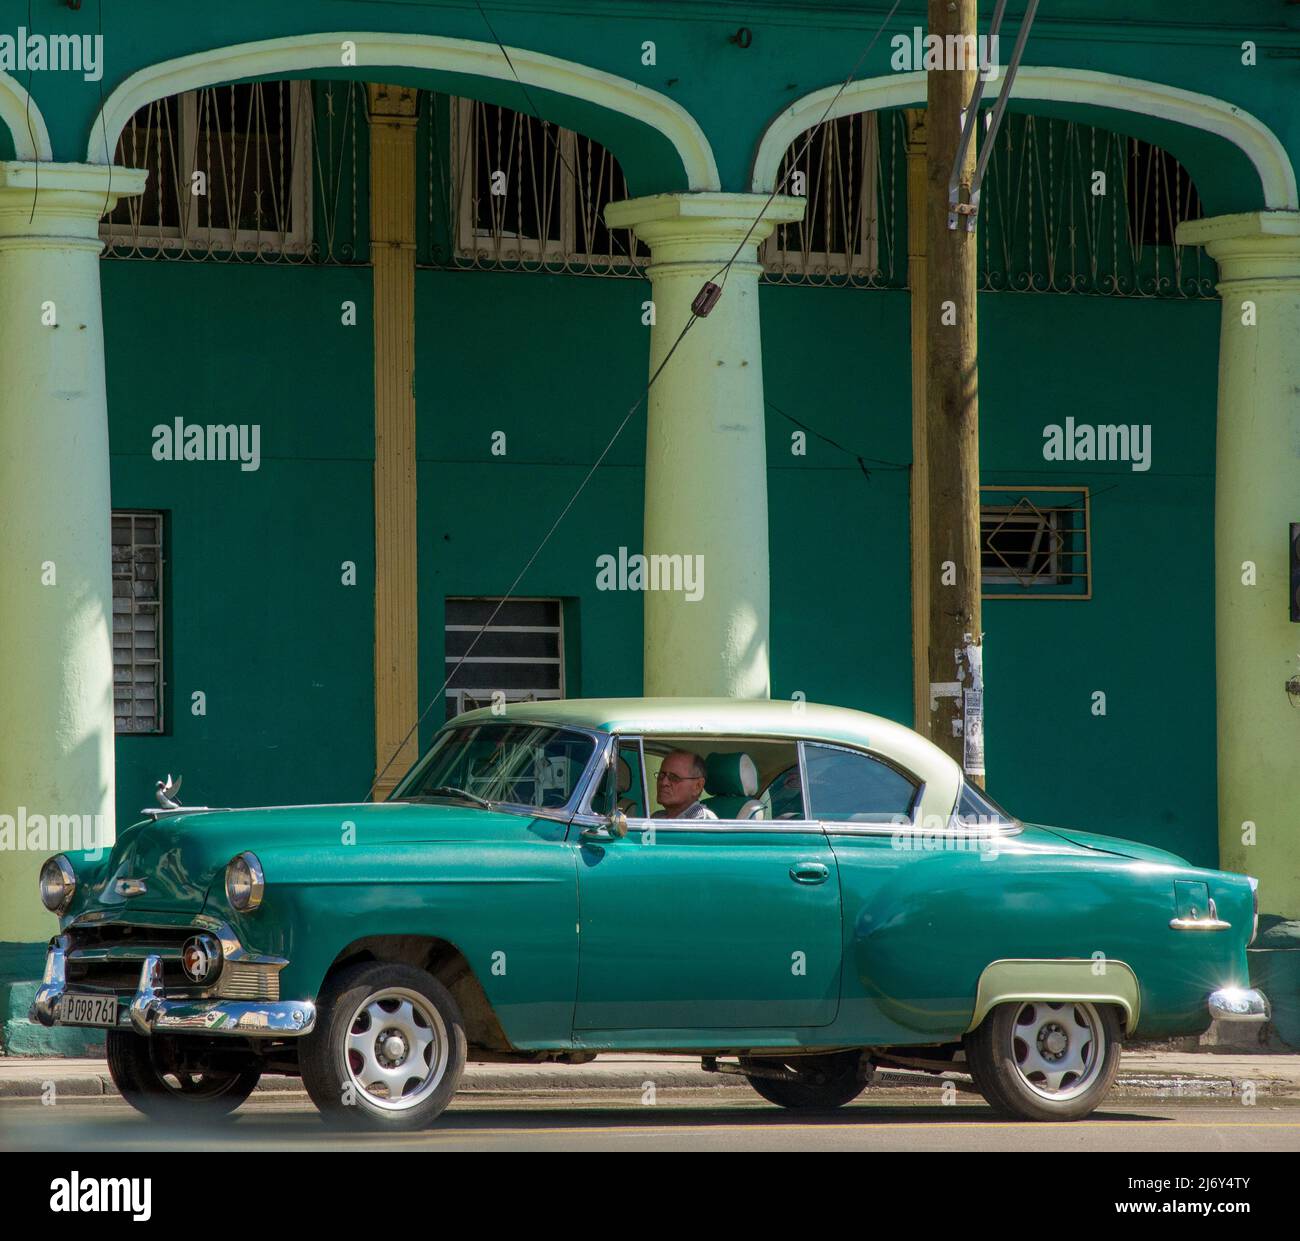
704, 925
868, 805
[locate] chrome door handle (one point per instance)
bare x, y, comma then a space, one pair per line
809, 872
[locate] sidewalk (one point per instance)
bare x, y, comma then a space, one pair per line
1142, 1075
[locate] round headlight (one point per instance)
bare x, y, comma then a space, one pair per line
244, 882
58, 883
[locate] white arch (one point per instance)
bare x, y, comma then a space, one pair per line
302, 53
18, 110
1086, 86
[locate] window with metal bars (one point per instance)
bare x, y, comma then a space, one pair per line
229, 171
836, 168
138, 562
519, 656
1034, 543
529, 193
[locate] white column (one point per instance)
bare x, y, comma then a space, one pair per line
56, 663
706, 457
1256, 497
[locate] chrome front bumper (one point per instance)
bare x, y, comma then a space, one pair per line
150, 1012
1239, 1004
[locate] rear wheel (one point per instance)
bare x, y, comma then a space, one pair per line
387, 1050
154, 1078
819, 1084
1045, 1061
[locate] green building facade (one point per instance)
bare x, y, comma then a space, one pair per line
433, 370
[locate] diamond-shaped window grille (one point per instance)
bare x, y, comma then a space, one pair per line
1034, 543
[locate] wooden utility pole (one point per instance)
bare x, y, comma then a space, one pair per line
952, 409
917, 196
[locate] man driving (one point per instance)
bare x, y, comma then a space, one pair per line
678, 787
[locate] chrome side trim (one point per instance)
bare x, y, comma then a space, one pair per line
1239, 1004
734, 827
913, 829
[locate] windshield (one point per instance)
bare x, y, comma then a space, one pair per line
533, 765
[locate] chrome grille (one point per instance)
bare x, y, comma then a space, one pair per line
243, 981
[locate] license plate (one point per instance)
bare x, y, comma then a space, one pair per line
88, 1010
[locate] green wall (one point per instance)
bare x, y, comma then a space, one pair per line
258, 617
1146, 637
555, 362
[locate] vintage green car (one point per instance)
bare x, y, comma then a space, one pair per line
831, 896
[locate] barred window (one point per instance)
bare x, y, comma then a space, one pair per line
527, 192
836, 167
519, 656
229, 170
137, 621
1035, 543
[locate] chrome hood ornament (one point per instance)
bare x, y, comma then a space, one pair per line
166, 791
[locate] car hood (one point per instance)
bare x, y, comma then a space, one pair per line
1115, 845
179, 856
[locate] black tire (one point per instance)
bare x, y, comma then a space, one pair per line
145, 1072
997, 1058
327, 1064
825, 1082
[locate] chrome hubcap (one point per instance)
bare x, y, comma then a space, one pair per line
1058, 1049
396, 1049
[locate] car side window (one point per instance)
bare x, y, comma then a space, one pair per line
845, 786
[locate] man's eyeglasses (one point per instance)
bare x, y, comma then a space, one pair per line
673, 778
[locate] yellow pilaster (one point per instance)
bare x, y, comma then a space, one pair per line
392, 254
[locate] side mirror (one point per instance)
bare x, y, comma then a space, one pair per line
613, 828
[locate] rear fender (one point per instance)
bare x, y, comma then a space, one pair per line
1059, 981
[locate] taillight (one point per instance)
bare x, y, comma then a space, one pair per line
1254, 892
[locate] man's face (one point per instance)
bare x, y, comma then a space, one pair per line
677, 785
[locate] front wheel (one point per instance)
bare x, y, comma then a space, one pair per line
154, 1078
1045, 1061
819, 1083
387, 1050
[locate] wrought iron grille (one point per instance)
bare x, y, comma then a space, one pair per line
137, 621
853, 173
1069, 208
524, 193
1035, 543
260, 172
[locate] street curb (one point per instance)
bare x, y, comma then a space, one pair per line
508, 1080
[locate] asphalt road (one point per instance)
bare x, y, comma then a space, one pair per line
726, 1121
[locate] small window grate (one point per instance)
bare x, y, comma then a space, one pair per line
1034, 543
137, 622
520, 655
